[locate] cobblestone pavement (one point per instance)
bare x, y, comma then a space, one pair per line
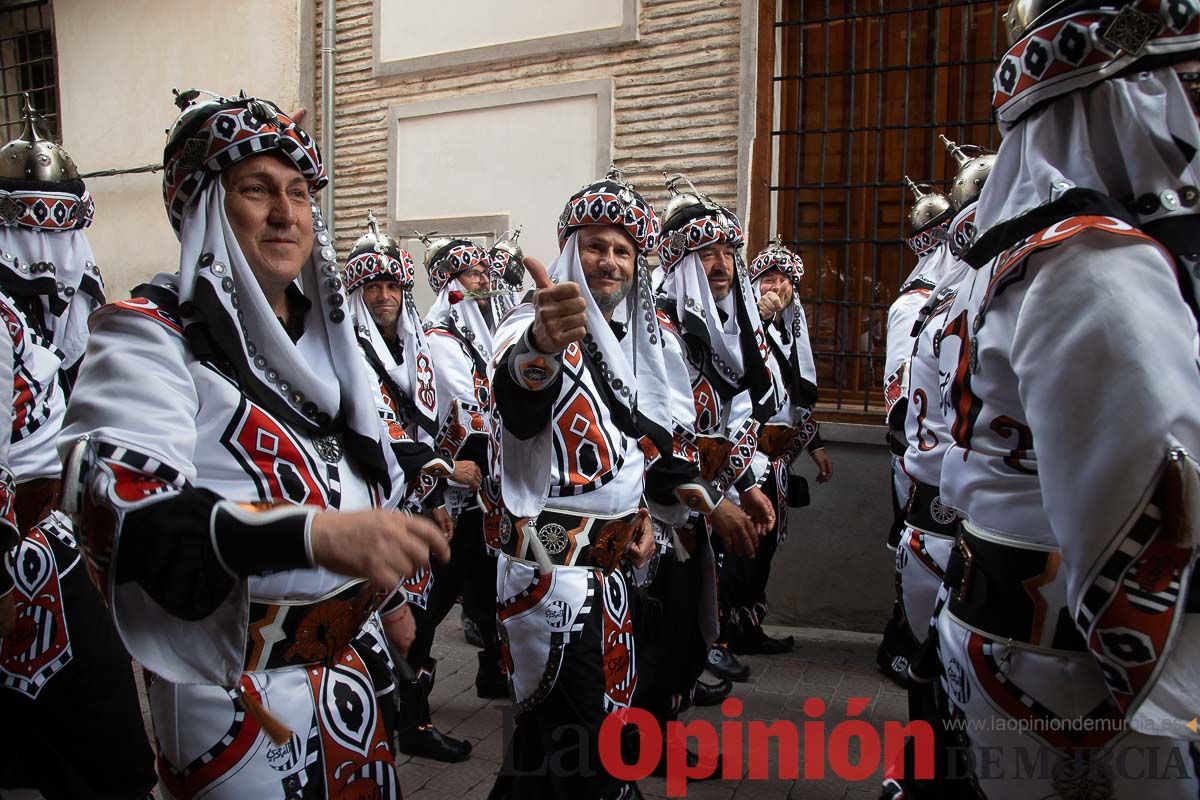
831, 665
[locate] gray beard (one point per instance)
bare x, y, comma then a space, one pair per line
608, 302
386, 327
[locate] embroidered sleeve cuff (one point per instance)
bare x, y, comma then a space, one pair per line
815, 443
252, 542
699, 496
438, 467
531, 369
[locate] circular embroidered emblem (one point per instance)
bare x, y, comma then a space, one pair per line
328, 448
959, 684
942, 514
505, 530
553, 538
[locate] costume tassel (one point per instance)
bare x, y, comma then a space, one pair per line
279, 733
1181, 493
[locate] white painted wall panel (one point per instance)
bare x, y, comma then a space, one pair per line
517, 160
412, 30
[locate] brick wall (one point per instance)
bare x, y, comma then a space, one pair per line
675, 100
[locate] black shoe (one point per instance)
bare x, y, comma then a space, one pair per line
490, 682
724, 664
692, 759
471, 632
756, 642
709, 694
429, 742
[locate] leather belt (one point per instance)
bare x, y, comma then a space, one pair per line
1011, 592
926, 512
285, 635
568, 540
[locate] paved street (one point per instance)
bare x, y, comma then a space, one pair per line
830, 665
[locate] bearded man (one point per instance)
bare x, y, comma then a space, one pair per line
583, 403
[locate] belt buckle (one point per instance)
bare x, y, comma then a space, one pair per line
968, 558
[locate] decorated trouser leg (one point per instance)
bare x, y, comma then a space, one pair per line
1021, 709
70, 723
569, 638
743, 581
671, 646
415, 732
553, 750
921, 560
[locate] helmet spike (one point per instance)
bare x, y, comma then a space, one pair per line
956, 152
918, 189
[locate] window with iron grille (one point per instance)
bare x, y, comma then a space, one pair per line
860, 91
27, 64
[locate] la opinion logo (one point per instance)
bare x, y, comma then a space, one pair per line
848, 737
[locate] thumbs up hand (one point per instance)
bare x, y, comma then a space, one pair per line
559, 310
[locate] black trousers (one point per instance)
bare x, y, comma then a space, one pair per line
83, 737
671, 646
471, 573
742, 582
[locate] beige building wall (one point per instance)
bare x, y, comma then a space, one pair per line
674, 106
117, 63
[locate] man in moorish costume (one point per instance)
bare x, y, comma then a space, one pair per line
60, 658
929, 526
708, 303
227, 466
459, 327
1068, 380
379, 277
776, 273
582, 405
507, 272
928, 219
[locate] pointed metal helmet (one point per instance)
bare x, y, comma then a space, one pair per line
692, 222
611, 201
777, 255
929, 208
1021, 15
377, 256
506, 259
32, 156
974, 166
447, 256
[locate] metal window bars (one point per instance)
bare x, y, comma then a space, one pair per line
862, 89
28, 63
